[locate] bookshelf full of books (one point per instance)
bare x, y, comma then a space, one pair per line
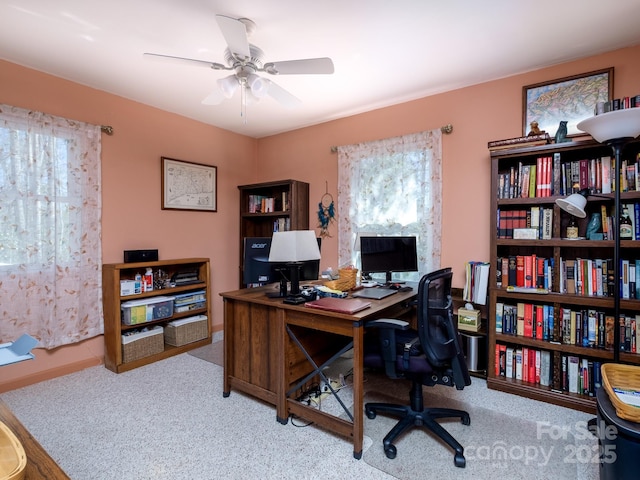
271, 207
553, 320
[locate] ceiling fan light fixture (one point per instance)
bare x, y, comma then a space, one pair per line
228, 85
259, 86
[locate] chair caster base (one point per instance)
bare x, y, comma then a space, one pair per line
390, 451
459, 460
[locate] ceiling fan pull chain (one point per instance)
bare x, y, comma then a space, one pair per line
243, 102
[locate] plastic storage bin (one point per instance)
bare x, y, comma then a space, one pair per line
187, 302
146, 310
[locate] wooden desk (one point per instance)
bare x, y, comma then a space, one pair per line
262, 358
39, 463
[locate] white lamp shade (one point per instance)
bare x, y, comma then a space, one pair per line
573, 204
294, 246
617, 124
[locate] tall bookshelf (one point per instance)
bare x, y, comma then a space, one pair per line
608, 334
272, 206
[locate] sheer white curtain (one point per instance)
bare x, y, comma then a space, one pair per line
50, 212
392, 187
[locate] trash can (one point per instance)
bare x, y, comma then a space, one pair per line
618, 442
475, 351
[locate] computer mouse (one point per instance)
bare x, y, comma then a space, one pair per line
405, 289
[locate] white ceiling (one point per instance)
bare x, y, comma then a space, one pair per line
385, 51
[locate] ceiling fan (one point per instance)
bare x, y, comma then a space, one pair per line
246, 61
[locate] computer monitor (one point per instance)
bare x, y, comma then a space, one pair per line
387, 255
257, 269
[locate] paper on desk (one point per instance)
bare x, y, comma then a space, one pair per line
18, 350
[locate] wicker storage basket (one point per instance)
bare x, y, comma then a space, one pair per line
13, 459
186, 330
626, 377
142, 344
347, 281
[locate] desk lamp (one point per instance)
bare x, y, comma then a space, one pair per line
616, 129
293, 248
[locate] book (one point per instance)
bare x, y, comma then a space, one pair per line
340, 305
520, 319
570, 284
545, 368
528, 327
518, 364
502, 360
499, 312
547, 223
509, 370
573, 373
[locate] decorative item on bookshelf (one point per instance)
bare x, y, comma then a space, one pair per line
528, 141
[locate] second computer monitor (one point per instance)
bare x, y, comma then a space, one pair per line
388, 255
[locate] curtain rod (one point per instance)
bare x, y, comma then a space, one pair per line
444, 129
108, 129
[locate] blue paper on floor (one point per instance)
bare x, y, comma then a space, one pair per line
18, 350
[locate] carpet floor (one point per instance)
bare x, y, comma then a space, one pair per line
169, 420
510, 436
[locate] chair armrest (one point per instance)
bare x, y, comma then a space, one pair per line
387, 341
392, 323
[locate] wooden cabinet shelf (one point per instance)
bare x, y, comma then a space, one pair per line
114, 327
280, 205
560, 342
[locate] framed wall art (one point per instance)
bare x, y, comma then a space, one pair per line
188, 185
571, 98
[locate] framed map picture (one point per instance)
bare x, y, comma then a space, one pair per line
571, 98
188, 185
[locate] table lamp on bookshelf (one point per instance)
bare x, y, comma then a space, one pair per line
293, 247
616, 129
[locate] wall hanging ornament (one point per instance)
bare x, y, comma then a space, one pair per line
326, 214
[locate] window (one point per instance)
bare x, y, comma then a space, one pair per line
391, 187
50, 250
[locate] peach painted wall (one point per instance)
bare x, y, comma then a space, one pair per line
131, 176
131, 192
479, 114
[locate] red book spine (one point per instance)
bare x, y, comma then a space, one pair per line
529, 262
549, 174
584, 174
520, 271
539, 321
528, 320
539, 177
532, 366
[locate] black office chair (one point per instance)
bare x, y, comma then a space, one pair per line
430, 356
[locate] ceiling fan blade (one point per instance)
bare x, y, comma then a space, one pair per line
202, 63
309, 65
235, 34
215, 98
281, 96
